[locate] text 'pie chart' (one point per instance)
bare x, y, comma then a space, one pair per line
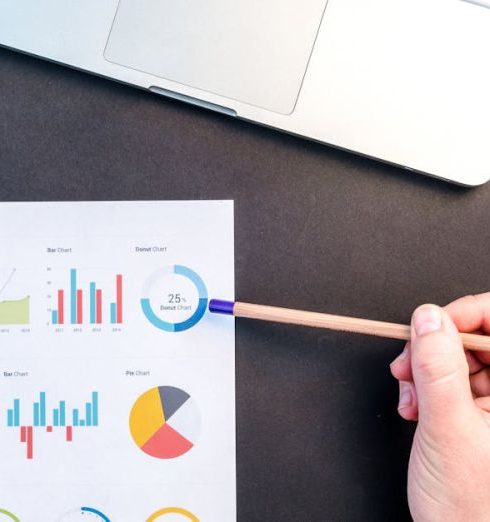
165, 422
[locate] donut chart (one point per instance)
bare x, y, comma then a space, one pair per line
174, 299
164, 422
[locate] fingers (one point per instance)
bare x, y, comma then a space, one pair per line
483, 403
474, 364
446, 360
407, 402
471, 313
401, 367
440, 370
480, 383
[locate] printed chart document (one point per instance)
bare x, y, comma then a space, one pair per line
117, 387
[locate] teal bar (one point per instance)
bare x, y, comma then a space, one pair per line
75, 417
54, 317
42, 408
16, 412
73, 295
95, 408
92, 303
10, 418
113, 313
88, 414
56, 417
82, 422
62, 413
36, 414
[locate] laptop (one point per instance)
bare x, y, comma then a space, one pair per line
404, 81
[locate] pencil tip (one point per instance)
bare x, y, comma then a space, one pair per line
217, 306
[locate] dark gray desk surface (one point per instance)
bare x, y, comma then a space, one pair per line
318, 434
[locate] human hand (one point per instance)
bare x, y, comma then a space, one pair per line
448, 391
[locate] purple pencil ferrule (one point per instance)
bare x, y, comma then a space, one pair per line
217, 306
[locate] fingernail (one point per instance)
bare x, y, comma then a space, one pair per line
427, 319
405, 395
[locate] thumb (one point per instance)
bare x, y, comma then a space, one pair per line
440, 370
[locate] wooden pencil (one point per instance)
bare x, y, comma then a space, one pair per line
332, 322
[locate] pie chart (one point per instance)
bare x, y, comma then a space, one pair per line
165, 422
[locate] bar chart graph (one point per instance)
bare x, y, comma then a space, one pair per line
50, 417
85, 302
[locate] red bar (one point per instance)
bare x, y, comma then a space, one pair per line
22, 434
98, 306
69, 433
79, 307
61, 307
29, 442
49, 429
119, 297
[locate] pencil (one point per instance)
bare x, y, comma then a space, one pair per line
332, 322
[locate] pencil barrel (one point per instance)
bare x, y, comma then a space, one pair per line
343, 324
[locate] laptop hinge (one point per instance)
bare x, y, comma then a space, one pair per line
193, 101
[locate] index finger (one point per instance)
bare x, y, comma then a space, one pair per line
471, 313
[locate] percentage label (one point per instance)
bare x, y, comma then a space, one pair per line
176, 299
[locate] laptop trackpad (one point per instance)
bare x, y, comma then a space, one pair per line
252, 51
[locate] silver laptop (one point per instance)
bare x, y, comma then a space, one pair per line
403, 81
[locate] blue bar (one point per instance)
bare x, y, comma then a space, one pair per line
10, 418
42, 408
62, 413
95, 409
73, 295
75, 417
16, 412
56, 418
54, 317
82, 422
36, 414
113, 313
88, 414
92, 303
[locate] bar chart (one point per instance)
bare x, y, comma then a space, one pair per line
84, 301
43, 416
